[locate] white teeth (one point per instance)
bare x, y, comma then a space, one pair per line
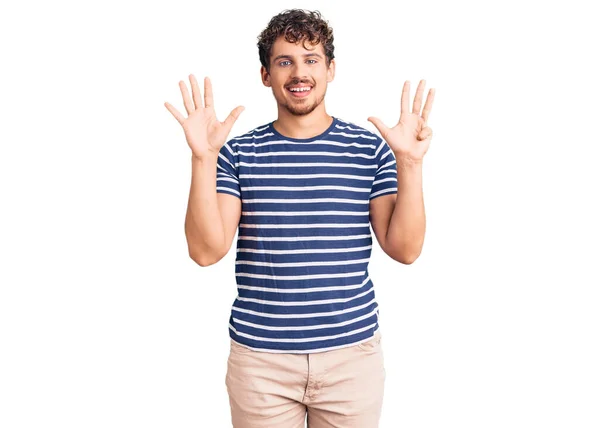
300, 89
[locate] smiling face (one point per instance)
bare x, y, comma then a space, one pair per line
298, 75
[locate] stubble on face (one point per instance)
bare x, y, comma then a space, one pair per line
302, 106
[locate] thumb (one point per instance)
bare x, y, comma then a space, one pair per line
383, 130
233, 116
425, 133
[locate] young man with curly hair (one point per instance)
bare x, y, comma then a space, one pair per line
302, 191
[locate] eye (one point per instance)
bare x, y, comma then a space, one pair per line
314, 61
282, 62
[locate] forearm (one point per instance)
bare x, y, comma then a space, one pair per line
203, 222
406, 231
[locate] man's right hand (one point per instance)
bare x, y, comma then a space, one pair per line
204, 133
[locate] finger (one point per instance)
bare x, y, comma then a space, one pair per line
196, 91
404, 99
419, 97
428, 105
425, 133
187, 102
383, 130
208, 93
175, 113
233, 116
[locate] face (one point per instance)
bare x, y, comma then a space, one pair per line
298, 75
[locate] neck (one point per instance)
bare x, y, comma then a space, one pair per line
305, 126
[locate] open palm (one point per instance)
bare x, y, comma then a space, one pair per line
410, 137
204, 133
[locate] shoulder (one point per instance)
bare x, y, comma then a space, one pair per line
260, 132
351, 129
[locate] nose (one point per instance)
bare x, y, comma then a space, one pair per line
299, 71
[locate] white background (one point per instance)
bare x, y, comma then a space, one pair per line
106, 322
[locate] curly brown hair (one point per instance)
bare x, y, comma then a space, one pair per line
296, 25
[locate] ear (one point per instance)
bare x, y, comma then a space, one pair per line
265, 76
331, 71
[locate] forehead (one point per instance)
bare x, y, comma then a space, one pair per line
283, 47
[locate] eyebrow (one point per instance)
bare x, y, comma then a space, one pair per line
290, 57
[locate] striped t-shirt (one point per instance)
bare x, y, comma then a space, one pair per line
304, 238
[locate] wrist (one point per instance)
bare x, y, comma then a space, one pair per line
405, 163
209, 156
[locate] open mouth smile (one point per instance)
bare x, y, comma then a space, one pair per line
299, 91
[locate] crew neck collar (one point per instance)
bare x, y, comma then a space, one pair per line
316, 137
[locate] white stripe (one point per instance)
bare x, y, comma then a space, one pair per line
305, 328
303, 302
306, 188
386, 165
302, 213
302, 164
387, 154
352, 155
305, 201
395, 190
255, 130
229, 190
296, 176
309, 251
345, 121
253, 136
229, 149
353, 135
322, 142
306, 290
384, 180
303, 264
302, 238
381, 146
226, 160
304, 339
303, 226
227, 179
300, 277
296, 316
351, 129
383, 156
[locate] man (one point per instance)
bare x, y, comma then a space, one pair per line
303, 189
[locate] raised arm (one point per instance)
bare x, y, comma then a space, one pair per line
211, 219
399, 220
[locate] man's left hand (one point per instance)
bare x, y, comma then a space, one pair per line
410, 138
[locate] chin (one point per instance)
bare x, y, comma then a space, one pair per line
300, 108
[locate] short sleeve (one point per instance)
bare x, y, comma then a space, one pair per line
386, 177
227, 172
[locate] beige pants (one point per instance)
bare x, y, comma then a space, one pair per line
342, 388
